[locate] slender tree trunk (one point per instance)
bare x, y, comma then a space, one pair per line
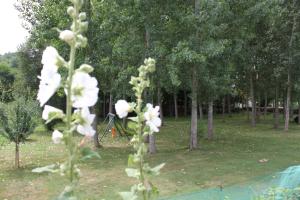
194, 88
104, 106
288, 95
229, 105
223, 107
110, 103
200, 110
253, 102
194, 121
152, 145
247, 108
266, 105
258, 110
287, 107
276, 123
298, 111
159, 100
94, 125
210, 132
17, 156
175, 105
185, 104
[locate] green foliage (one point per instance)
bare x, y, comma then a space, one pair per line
18, 119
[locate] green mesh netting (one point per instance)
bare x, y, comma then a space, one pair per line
281, 186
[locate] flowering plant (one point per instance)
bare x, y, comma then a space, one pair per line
81, 91
147, 122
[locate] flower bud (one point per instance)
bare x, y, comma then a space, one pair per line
83, 26
82, 16
71, 11
67, 36
85, 68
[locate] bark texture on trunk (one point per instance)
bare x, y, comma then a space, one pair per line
210, 132
17, 156
194, 120
253, 102
175, 105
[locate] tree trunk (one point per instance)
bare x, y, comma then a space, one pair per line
210, 120
175, 106
104, 106
266, 106
194, 125
276, 123
17, 156
223, 107
94, 125
185, 104
159, 100
229, 105
258, 110
287, 107
110, 103
152, 145
200, 110
298, 111
247, 108
288, 95
253, 102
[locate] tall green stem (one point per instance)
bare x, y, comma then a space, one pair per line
140, 134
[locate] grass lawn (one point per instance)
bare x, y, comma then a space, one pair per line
231, 158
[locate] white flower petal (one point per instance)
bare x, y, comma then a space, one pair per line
56, 137
50, 82
84, 90
50, 56
122, 108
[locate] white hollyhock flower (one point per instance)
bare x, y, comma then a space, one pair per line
67, 35
84, 90
50, 58
84, 127
122, 108
56, 137
50, 82
49, 110
152, 117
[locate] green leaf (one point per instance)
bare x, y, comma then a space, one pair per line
54, 115
88, 153
132, 172
128, 195
49, 168
135, 119
156, 170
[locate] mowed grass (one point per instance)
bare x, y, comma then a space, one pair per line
230, 159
